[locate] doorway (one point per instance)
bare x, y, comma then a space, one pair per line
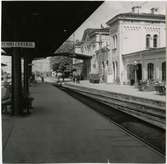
139, 72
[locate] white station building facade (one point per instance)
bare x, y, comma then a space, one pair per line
133, 42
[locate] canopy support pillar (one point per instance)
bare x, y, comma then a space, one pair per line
26, 76
16, 82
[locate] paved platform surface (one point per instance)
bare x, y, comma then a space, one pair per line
123, 89
62, 129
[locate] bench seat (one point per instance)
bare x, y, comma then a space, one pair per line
5, 104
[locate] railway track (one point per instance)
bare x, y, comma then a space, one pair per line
151, 135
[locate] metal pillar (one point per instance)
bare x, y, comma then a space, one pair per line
26, 76
16, 82
29, 67
26, 84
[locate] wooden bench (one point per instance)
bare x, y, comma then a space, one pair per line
5, 104
160, 89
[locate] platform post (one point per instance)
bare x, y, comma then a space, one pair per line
26, 75
16, 82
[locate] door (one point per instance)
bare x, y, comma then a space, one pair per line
139, 72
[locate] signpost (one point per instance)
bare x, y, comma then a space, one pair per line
18, 44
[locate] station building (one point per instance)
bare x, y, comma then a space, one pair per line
138, 44
94, 43
131, 48
78, 63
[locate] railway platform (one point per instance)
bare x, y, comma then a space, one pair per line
147, 106
122, 89
62, 129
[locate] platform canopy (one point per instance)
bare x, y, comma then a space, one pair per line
47, 23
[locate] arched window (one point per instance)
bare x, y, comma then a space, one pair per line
107, 62
150, 69
82, 50
155, 41
148, 37
113, 38
164, 71
94, 65
114, 41
113, 69
116, 65
103, 64
94, 46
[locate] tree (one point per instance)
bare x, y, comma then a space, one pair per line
62, 63
55, 67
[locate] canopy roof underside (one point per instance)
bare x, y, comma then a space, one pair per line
47, 23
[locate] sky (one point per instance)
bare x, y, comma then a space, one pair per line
111, 8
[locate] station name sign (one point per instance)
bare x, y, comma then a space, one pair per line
18, 44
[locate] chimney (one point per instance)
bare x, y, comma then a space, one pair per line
135, 9
154, 10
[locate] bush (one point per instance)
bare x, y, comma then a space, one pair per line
146, 85
160, 88
94, 78
150, 85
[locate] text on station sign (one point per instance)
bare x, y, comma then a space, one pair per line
18, 44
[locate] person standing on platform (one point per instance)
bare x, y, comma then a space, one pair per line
42, 78
78, 77
74, 76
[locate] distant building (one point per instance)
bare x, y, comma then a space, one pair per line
41, 65
77, 50
6, 60
101, 59
78, 63
92, 42
137, 39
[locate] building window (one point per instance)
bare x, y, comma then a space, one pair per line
164, 71
107, 62
155, 41
113, 69
94, 46
94, 65
148, 37
103, 64
113, 38
114, 41
150, 69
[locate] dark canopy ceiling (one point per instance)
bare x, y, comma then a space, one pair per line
48, 23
